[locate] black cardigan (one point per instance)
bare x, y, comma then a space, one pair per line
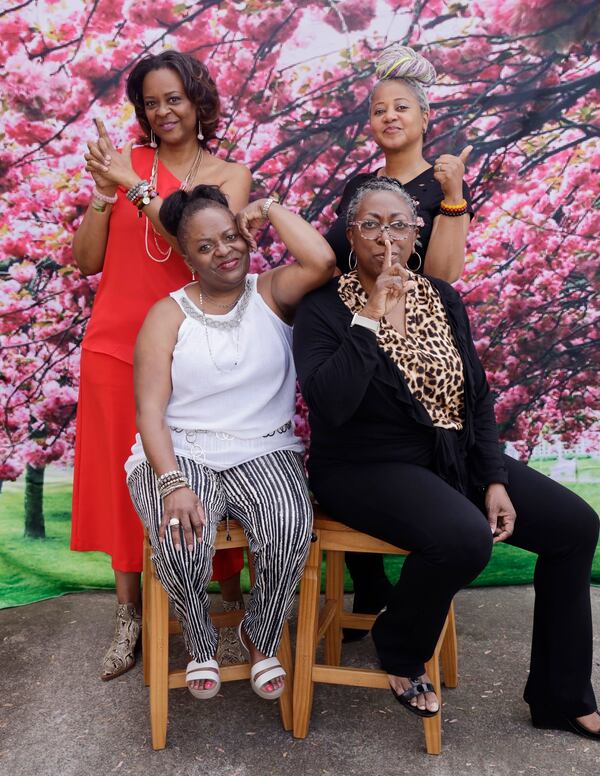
361, 408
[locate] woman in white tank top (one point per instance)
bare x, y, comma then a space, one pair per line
215, 395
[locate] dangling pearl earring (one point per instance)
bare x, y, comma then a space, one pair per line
200, 133
152, 139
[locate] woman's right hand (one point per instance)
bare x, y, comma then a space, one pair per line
184, 505
392, 284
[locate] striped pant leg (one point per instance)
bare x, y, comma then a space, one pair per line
184, 574
269, 497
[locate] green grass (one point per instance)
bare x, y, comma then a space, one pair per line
35, 569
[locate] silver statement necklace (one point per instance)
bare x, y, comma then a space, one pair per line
233, 324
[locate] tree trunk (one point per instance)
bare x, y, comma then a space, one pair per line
34, 503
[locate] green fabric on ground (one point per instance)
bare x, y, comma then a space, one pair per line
35, 569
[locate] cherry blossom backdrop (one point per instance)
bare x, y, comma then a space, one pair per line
518, 79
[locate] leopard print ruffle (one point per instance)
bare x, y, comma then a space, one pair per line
427, 357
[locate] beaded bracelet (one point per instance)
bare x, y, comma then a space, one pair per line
171, 480
134, 192
104, 197
169, 474
165, 486
447, 209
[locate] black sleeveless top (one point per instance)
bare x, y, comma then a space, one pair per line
424, 188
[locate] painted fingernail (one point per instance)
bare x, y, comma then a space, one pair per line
105, 169
178, 547
191, 547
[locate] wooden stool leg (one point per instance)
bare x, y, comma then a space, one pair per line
334, 591
159, 665
432, 726
449, 652
146, 610
285, 699
306, 641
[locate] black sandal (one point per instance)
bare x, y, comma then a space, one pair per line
548, 720
418, 688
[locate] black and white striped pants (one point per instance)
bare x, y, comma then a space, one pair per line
269, 497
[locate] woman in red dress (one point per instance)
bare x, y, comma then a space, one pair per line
177, 106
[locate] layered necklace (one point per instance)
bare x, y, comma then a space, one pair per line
233, 324
164, 255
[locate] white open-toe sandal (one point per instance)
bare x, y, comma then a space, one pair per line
271, 668
196, 672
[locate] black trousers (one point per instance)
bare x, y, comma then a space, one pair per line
450, 543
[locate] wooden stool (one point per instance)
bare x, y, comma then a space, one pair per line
336, 539
156, 628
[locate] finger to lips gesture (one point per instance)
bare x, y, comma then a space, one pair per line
250, 221
182, 514
448, 171
393, 283
500, 512
104, 161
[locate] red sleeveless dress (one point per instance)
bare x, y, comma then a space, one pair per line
103, 516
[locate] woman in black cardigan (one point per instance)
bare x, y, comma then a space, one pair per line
404, 447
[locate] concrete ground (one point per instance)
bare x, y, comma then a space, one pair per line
58, 719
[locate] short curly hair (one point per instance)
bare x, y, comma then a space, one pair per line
198, 85
382, 183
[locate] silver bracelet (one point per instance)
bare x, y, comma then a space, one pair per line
267, 204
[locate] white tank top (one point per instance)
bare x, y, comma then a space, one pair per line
234, 386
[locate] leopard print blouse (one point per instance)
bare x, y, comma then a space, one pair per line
427, 357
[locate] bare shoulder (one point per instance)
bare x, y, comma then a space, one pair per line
163, 317
225, 172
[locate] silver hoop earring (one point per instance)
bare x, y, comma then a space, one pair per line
352, 255
200, 133
153, 143
419, 265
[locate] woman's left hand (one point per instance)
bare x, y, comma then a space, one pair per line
501, 514
250, 221
448, 171
114, 166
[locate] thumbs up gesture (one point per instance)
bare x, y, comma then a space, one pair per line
448, 170
109, 168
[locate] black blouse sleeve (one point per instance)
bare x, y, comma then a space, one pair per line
335, 362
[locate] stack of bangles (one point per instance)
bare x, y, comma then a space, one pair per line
170, 481
141, 195
460, 209
100, 201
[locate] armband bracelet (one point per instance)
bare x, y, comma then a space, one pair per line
446, 209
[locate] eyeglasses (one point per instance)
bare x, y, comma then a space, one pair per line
370, 230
